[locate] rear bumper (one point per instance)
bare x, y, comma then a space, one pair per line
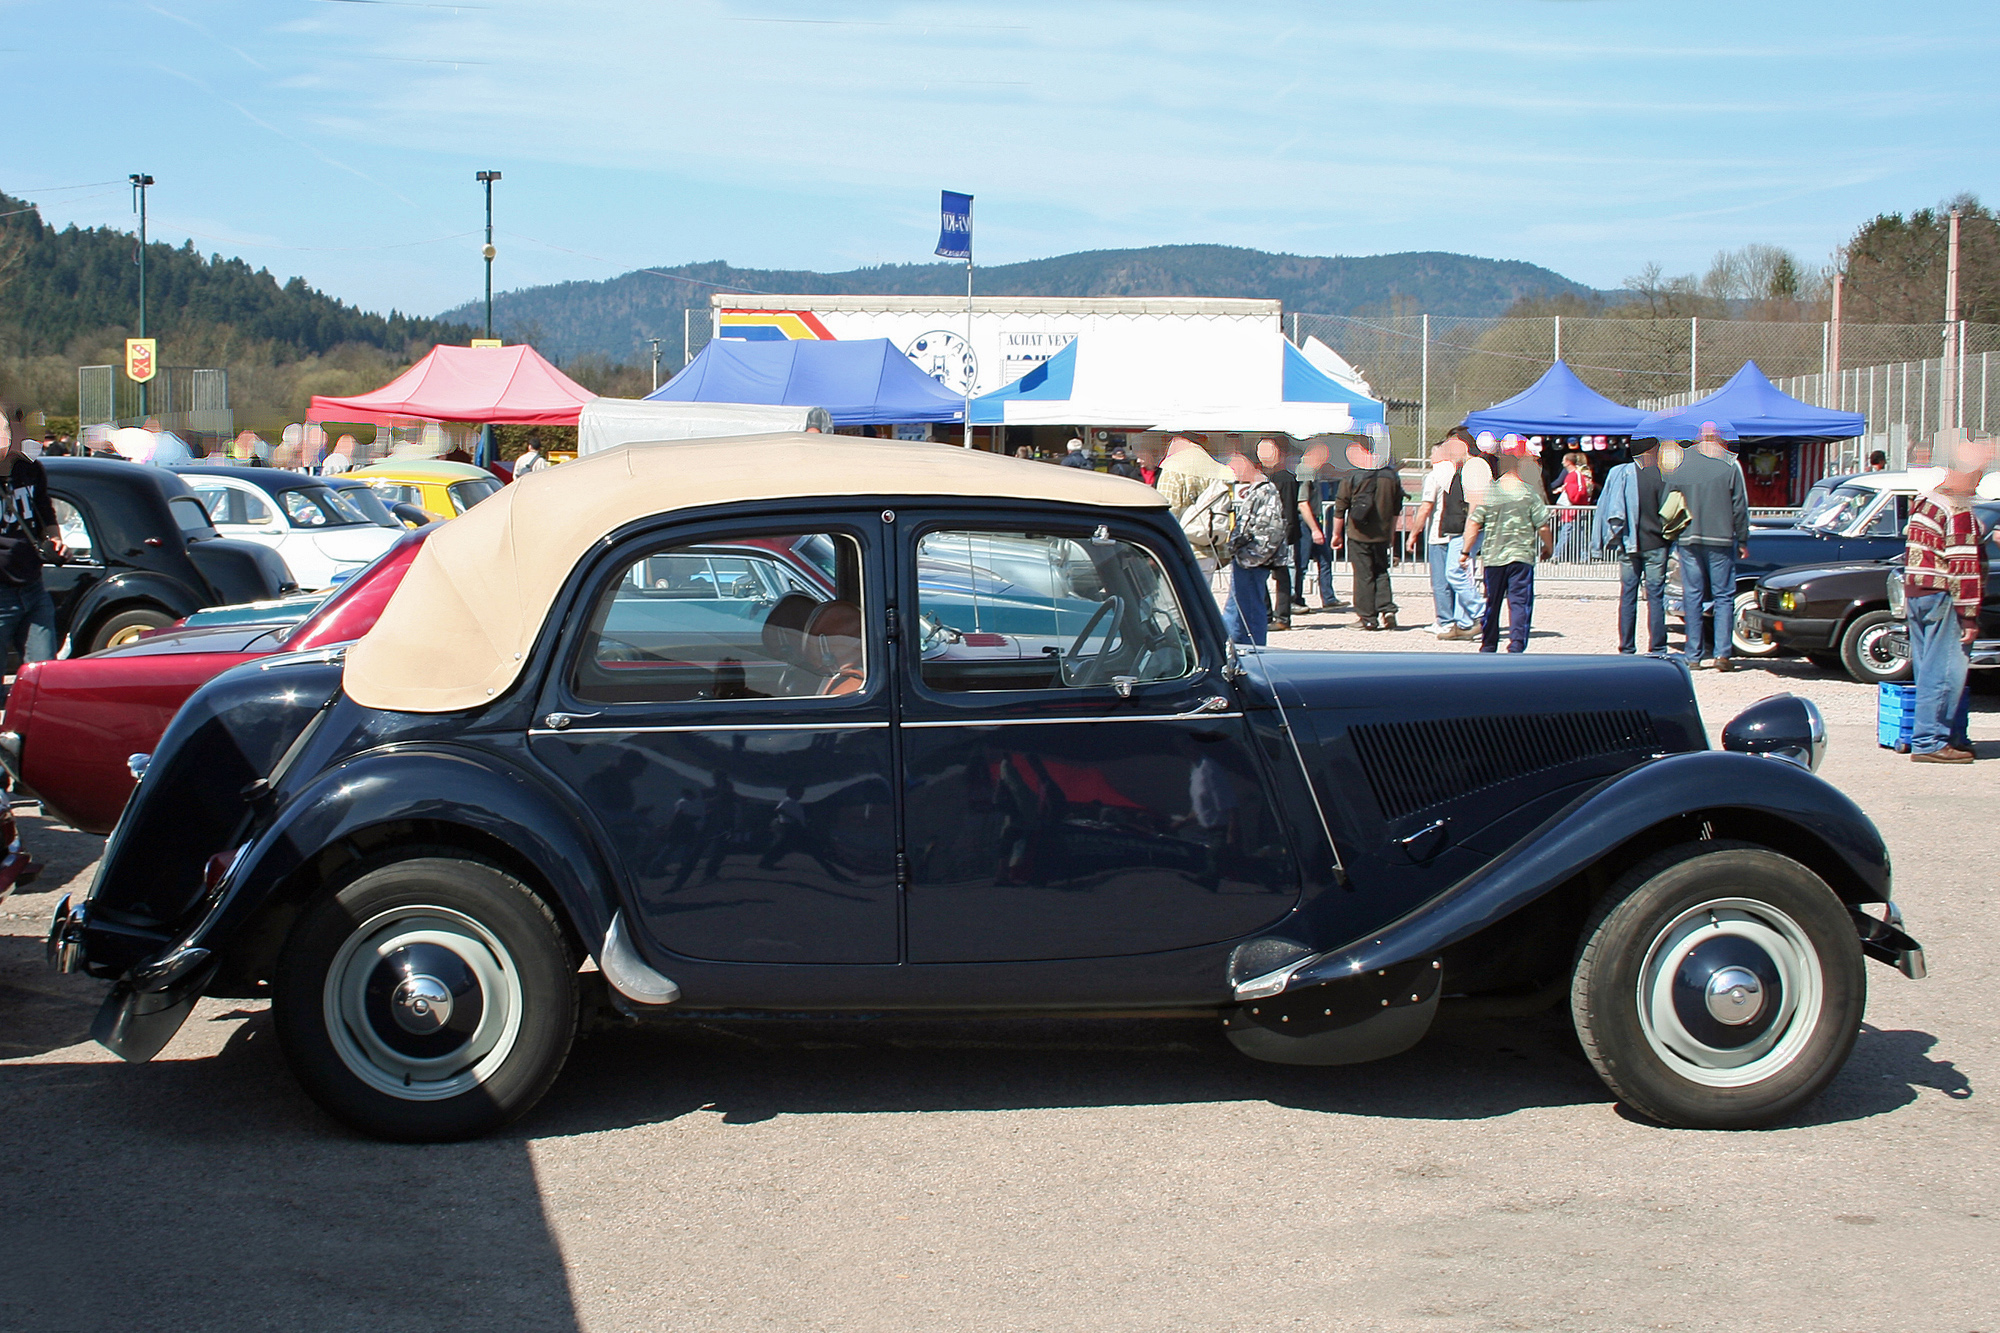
1983, 654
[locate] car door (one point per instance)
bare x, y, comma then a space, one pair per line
1079, 779
722, 709
68, 582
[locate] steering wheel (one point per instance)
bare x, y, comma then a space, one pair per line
1092, 670
611, 649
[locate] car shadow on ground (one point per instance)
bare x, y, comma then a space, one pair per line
209, 1192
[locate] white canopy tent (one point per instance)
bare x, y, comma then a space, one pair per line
606, 423
1191, 375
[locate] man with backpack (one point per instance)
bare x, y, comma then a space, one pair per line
1365, 509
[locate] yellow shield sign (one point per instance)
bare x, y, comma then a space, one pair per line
141, 359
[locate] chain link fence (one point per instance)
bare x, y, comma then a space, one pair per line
185, 399
1433, 369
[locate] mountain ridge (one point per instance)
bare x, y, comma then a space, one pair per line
613, 318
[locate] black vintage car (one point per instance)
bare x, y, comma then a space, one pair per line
142, 554
804, 724
1835, 615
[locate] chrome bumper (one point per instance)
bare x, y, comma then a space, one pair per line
1883, 939
64, 949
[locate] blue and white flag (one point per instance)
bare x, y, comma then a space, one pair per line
955, 226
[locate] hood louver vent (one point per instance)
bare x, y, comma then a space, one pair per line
1412, 766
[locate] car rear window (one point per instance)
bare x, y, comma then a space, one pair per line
193, 519
466, 494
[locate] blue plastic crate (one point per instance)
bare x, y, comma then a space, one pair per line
1895, 715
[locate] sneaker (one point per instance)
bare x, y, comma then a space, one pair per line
1944, 756
1459, 633
1299, 604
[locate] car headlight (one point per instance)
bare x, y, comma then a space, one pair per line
1783, 726
1789, 602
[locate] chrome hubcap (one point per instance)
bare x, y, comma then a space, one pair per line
1730, 992
1735, 996
423, 1003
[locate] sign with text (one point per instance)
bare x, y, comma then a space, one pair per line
955, 225
141, 359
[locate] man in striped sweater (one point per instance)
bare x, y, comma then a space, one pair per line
1944, 576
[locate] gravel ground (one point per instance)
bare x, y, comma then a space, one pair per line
1049, 1175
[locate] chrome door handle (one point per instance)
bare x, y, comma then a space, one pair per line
1214, 703
562, 721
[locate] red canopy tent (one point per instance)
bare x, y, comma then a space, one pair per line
489, 385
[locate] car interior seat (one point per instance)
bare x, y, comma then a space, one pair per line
833, 647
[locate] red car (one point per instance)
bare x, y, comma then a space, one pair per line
71, 725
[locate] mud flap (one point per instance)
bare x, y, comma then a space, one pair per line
1367, 1017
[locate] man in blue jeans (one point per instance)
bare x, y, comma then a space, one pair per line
1628, 524
1718, 505
1944, 577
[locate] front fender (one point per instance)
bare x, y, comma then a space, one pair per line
429, 784
1595, 824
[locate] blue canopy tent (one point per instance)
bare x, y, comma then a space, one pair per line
1783, 439
1757, 409
1181, 377
1557, 404
862, 382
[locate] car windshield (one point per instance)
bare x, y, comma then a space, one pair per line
466, 494
319, 507
1844, 505
363, 498
1816, 503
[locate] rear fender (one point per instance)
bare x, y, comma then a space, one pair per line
124, 590
1800, 815
429, 793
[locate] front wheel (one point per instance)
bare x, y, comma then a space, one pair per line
1744, 641
431, 998
1864, 650
1720, 986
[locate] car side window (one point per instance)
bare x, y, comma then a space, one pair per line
76, 534
1037, 611
215, 499
254, 509
738, 618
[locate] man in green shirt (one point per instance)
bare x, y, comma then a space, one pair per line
1511, 528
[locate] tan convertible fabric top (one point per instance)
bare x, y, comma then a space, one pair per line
456, 631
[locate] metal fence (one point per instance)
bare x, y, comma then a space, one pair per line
185, 399
1433, 369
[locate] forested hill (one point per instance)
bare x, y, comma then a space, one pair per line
613, 318
59, 287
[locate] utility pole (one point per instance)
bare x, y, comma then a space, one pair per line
656, 359
139, 183
1947, 376
487, 178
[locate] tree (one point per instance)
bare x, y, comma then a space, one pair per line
1895, 266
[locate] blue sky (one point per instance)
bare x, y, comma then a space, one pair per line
338, 138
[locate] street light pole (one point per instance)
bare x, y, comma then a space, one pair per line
656, 359
487, 178
139, 183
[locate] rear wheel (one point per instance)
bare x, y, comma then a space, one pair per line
431, 998
1744, 641
127, 626
1720, 986
1864, 650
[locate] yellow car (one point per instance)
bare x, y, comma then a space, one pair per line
440, 488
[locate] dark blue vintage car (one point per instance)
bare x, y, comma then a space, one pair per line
819, 725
